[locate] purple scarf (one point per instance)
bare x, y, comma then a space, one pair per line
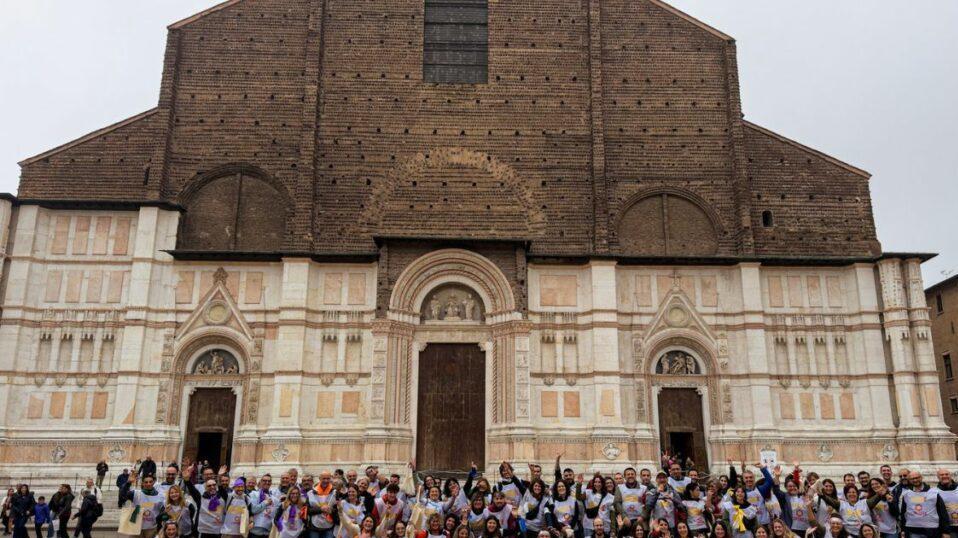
262, 495
214, 502
291, 518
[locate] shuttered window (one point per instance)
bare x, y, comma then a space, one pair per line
456, 42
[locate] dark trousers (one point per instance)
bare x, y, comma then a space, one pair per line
205, 535
916, 532
20, 527
62, 529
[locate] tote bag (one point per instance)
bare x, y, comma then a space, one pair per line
130, 528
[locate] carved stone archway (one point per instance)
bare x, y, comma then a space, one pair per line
410, 327
452, 266
189, 376
186, 380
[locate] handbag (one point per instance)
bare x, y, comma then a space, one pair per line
127, 527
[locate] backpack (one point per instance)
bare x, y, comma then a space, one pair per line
97, 510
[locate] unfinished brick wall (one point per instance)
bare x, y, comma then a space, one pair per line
111, 165
666, 107
818, 206
589, 106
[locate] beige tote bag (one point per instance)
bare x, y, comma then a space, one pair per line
126, 526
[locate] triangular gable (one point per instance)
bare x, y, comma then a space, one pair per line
677, 311
692, 20
217, 308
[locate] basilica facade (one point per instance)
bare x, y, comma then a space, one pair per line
361, 232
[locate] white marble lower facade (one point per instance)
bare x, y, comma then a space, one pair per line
102, 330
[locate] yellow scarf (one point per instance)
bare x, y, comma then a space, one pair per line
738, 519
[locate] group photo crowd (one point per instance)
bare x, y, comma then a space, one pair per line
675, 501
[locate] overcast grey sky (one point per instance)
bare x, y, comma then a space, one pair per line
871, 82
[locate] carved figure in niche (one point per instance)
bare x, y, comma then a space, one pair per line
216, 362
452, 302
468, 307
435, 308
677, 363
452, 309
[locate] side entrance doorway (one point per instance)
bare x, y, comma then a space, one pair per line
209, 429
681, 425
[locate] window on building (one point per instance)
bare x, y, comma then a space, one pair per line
939, 306
954, 404
946, 361
767, 220
456, 42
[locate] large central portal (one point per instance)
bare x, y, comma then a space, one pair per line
451, 422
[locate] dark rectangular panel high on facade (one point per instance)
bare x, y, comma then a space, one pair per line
456, 41
451, 424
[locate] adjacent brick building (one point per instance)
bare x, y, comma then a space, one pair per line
553, 209
943, 300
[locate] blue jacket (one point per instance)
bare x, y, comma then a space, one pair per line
41, 513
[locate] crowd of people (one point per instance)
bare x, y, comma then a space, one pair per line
748, 502
83, 508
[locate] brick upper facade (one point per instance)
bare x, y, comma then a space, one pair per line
591, 108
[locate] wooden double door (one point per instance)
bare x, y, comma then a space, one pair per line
451, 417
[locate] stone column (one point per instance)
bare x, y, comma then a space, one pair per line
897, 333
6, 213
284, 421
872, 351
8, 333
756, 361
155, 232
606, 365
920, 330
389, 434
20, 278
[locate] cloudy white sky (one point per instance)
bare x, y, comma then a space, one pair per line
871, 82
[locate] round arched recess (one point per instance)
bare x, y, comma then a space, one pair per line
667, 223
233, 208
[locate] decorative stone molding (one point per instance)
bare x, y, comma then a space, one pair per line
252, 402
420, 164
116, 453
441, 267
58, 454
186, 370
824, 453
217, 312
280, 453
611, 451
